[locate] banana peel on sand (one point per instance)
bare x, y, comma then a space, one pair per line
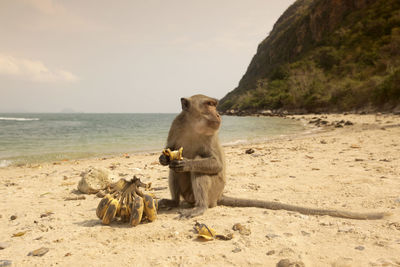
206, 233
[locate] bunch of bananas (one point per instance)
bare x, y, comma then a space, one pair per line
127, 202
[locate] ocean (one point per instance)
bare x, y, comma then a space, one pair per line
34, 138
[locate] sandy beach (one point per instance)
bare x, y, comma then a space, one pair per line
354, 167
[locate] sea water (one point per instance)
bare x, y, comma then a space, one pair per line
31, 138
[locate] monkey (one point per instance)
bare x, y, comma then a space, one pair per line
200, 177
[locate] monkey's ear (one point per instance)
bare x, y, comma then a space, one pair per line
185, 103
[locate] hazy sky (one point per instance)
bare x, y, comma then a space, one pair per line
126, 55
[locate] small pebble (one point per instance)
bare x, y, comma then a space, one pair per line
250, 151
236, 250
270, 252
19, 234
360, 248
305, 233
4, 245
243, 230
271, 236
47, 213
286, 251
4, 263
13, 217
39, 252
289, 263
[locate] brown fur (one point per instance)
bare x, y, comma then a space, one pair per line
200, 177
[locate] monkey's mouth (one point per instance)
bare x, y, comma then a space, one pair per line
214, 124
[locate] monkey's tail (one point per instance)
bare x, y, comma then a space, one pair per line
272, 205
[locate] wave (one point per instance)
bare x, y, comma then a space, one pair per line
5, 163
18, 119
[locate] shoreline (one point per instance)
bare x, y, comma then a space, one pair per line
354, 167
309, 121
50, 157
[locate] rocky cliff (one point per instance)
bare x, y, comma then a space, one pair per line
325, 55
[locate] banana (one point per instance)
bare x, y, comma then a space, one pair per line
150, 209
103, 205
125, 210
111, 211
124, 213
120, 185
137, 211
129, 207
156, 202
179, 154
118, 212
176, 154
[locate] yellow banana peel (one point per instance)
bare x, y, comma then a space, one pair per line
207, 233
175, 154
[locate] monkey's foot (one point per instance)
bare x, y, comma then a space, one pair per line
167, 204
197, 211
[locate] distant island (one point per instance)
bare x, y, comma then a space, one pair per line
69, 110
325, 56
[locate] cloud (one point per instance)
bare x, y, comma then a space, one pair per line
32, 70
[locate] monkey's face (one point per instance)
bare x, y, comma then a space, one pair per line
210, 120
203, 114
208, 123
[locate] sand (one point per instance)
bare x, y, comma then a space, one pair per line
356, 168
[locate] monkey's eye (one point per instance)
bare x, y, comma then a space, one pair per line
210, 103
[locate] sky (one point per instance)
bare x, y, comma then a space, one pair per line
126, 55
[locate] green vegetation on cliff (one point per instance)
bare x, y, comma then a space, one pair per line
325, 55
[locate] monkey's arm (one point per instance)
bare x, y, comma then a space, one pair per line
209, 165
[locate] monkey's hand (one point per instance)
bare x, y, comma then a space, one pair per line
164, 160
180, 165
